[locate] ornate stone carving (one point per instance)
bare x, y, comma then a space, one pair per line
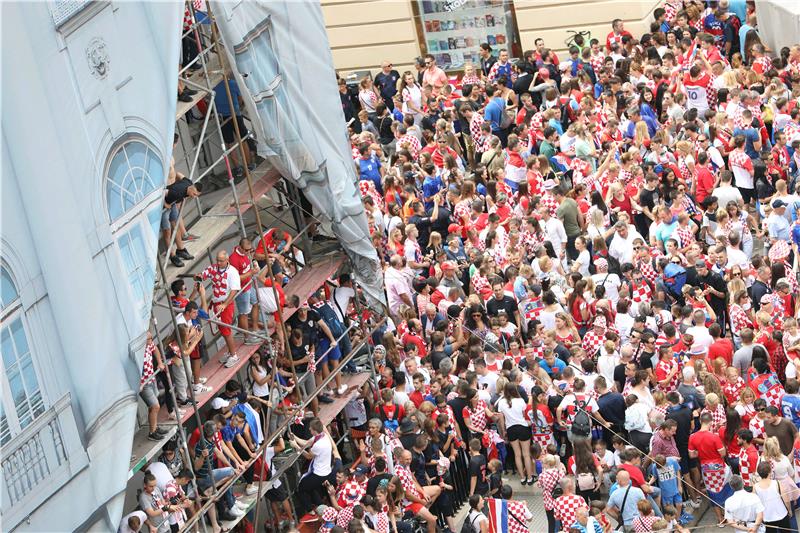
98, 58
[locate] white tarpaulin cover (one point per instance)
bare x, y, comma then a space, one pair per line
292, 99
779, 22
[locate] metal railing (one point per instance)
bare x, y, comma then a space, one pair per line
38, 461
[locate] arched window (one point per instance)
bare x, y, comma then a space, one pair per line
134, 194
22, 399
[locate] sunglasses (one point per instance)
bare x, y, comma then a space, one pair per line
761, 410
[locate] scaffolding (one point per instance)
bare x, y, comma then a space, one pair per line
220, 222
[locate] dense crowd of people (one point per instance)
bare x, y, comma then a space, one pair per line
590, 269
590, 266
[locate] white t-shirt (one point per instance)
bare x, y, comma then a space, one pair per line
322, 451
606, 365
611, 283
123, 525
340, 299
514, 413
161, 473
583, 258
701, 336
725, 194
488, 382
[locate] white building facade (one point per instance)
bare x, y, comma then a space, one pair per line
88, 115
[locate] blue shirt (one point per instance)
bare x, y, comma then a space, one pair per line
557, 367
778, 227
229, 432
430, 186
750, 136
743, 33
790, 408
369, 170
630, 511
249, 417
667, 477
221, 98
494, 112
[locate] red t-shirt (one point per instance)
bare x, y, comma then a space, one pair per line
705, 182
706, 444
270, 241
637, 478
721, 348
417, 398
240, 261
732, 446
417, 341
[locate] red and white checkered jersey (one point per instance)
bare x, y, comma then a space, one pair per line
768, 387
223, 281
643, 524
477, 416
663, 368
148, 372
592, 342
566, 507
411, 143
717, 417
407, 480
547, 482
549, 201
732, 390
739, 319
351, 492
481, 141
748, 462
762, 64
757, 428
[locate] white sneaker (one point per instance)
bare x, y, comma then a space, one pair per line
236, 511
341, 390
199, 388
251, 340
231, 361
180, 413
250, 489
241, 505
202, 381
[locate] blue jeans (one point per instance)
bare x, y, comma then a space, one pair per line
218, 474
651, 498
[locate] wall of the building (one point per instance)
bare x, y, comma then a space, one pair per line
362, 34
59, 124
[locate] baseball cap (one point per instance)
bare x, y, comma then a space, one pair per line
219, 403
766, 299
778, 203
361, 470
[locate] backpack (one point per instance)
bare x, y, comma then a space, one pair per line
674, 279
469, 524
389, 423
736, 24
582, 423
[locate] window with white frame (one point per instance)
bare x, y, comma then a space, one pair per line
22, 399
134, 194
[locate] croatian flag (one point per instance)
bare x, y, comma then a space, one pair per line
498, 516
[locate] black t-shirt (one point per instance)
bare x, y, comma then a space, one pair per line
464, 103
298, 353
387, 83
619, 376
423, 225
683, 416
715, 281
384, 127
458, 404
309, 326
375, 481
477, 469
646, 360
177, 191
408, 440
612, 407
436, 358
648, 199
431, 454
442, 221
506, 303
417, 466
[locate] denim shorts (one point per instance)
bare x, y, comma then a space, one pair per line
245, 301
149, 394
168, 215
